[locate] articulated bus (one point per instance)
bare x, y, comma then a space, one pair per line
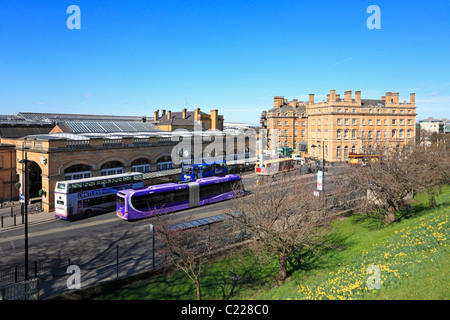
83, 198
193, 172
169, 197
274, 166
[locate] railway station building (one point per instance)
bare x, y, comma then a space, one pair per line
80, 149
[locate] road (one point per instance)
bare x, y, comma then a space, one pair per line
95, 245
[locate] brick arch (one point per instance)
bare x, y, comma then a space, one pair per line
34, 158
147, 156
164, 154
105, 160
74, 162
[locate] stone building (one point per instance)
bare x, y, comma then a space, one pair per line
170, 121
67, 156
338, 126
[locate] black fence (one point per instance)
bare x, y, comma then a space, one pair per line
14, 216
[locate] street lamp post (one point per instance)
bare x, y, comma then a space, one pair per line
25, 205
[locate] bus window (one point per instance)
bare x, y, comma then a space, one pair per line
61, 186
128, 179
187, 170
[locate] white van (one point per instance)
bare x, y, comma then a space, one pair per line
297, 157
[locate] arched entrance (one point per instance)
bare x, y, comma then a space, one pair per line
34, 182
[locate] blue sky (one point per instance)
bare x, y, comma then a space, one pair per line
133, 57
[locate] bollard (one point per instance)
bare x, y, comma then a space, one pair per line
12, 209
14, 220
15, 274
2, 221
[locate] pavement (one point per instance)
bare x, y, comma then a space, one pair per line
35, 215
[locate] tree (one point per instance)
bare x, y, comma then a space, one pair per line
186, 248
283, 216
394, 177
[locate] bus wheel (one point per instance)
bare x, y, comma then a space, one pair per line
88, 213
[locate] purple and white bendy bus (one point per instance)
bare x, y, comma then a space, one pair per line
169, 197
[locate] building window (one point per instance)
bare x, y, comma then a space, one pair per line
353, 134
295, 123
279, 132
338, 152
353, 121
339, 134
393, 121
346, 152
370, 134
303, 133
385, 122
286, 123
353, 149
339, 121
393, 110
286, 132
346, 121
370, 121
346, 110
353, 110
295, 132
409, 133
393, 133
318, 134
402, 122
303, 123
401, 133
346, 134
339, 110
378, 134
378, 121
278, 123
409, 121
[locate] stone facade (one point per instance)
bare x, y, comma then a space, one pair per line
339, 126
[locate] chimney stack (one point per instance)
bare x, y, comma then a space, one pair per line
332, 95
278, 102
412, 97
311, 98
156, 115
163, 112
358, 96
197, 114
214, 119
183, 114
169, 115
348, 95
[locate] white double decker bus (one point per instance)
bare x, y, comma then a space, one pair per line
83, 198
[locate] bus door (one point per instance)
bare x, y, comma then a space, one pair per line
194, 194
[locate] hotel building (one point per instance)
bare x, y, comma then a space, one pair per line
335, 127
